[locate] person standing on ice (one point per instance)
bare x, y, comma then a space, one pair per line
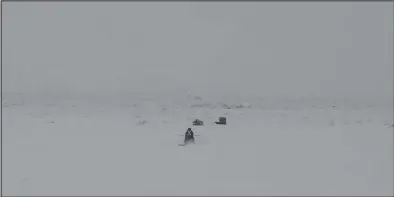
189, 136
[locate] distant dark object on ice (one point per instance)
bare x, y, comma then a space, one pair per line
244, 105
222, 120
198, 122
140, 121
390, 125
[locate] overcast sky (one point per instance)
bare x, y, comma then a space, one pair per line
321, 48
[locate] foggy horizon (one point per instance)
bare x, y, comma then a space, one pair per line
282, 98
335, 49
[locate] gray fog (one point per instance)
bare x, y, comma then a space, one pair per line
266, 48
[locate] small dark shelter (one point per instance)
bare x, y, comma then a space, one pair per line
222, 120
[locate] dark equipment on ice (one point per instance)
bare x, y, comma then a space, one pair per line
189, 136
222, 120
198, 122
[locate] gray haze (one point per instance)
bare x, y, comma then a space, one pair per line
300, 49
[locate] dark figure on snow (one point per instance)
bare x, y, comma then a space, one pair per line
189, 136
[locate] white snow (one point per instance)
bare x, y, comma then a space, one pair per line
96, 97
277, 148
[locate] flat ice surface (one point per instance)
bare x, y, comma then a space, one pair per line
57, 142
71, 148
